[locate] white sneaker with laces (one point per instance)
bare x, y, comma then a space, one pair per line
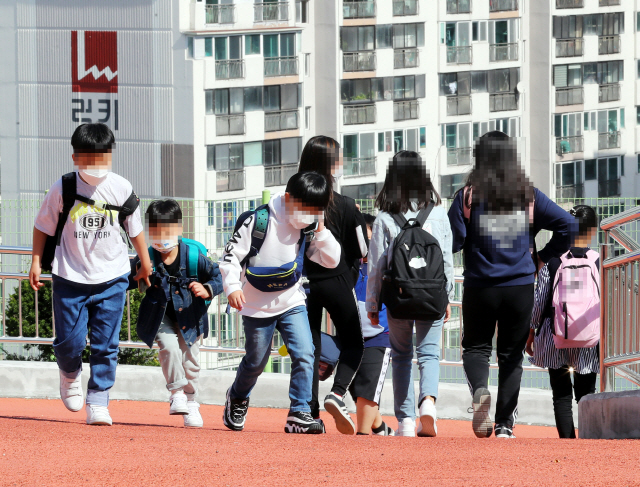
406, 427
98, 415
178, 403
194, 418
71, 392
427, 424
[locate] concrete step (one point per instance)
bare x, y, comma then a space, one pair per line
610, 415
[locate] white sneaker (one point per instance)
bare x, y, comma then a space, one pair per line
98, 415
193, 419
406, 427
178, 403
71, 392
427, 424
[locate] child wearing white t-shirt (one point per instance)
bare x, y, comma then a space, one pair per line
89, 261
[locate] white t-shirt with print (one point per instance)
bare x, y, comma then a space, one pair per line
91, 250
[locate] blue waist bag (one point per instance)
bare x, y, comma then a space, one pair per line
275, 279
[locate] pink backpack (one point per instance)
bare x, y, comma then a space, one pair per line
576, 301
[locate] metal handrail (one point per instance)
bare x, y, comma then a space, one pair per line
620, 303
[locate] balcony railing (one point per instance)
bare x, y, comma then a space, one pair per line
283, 120
610, 92
406, 110
569, 47
363, 166
459, 55
499, 102
458, 105
459, 156
458, 6
502, 5
279, 175
609, 140
503, 52
281, 66
230, 124
609, 188
359, 114
359, 61
405, 7
569, 145
359, 10
608, 3
271, 12
230, 69
573, 95
406, 58
230, 180
609, 44
569, 3
220, 14
570, 192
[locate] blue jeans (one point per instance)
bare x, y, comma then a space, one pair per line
293, 325
98, 308
428, 337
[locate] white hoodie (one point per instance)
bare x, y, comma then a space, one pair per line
279, 247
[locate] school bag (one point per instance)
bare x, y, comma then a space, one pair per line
268, 279
575, 300
195, 249
415, 286
69, 197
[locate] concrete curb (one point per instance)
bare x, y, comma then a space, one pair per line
611, 415
137, 383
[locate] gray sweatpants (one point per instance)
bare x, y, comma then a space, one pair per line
179, 362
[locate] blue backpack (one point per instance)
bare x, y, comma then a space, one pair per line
268, 279
195, 249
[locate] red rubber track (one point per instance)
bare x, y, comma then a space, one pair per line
43, 444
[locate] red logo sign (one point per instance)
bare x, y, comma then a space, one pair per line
94, 61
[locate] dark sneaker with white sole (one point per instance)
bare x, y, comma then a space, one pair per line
337, 408
482, 424
503, 431
302, 422
235, 412
321, 423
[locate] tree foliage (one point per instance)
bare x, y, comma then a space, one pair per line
44, 353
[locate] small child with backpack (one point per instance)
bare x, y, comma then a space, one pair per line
411, 272
261, 271
77, 236
173, 311
367, 385
565, 325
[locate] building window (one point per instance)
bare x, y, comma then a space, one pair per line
252, 44
374, 89
211, 220
209, 102
307, 64
450, 184
356, 39
423, 137
362, 191
590, 170
408, 35
479, 31
208, 47
307, 118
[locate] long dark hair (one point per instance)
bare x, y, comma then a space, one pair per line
321, 154
407, 181
498, 177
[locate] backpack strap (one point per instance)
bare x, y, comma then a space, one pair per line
424, 213
195, 248
68, 200
151, 257
128, 208
399, 219
259, 232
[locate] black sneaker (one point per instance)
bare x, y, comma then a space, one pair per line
235, 412
503, 431
303, 423
321, 423
482, 424
337, 408
383, 430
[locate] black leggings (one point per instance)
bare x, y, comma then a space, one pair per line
510, 307
563, 390
337, 296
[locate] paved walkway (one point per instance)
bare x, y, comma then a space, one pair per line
42, 444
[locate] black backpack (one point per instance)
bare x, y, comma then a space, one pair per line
69, 197
415, 286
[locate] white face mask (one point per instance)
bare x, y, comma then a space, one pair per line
94, 176
302, 219
164, 245
338, 173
